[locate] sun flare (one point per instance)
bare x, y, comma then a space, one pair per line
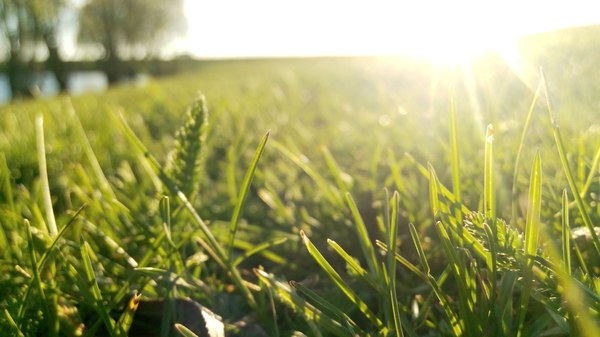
453, 48
445, 32
452, 35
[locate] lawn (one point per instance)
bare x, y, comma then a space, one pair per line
379, 196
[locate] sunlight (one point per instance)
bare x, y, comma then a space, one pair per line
445, 32
457, 32
451, 48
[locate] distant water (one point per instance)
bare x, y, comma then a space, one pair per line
81, 82
5, 93
45, 84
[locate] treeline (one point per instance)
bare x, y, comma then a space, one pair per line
110, 32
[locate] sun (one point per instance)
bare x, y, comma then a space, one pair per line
457, 37
444, 32
455, 50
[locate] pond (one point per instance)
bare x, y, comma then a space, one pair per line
45, 84
4, 89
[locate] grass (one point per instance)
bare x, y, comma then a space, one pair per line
318, 197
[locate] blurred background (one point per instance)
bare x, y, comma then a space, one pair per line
75, 46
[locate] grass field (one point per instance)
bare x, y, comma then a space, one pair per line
398, 197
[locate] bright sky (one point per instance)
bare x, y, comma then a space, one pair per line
430, 28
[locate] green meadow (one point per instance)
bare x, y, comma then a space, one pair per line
373, 196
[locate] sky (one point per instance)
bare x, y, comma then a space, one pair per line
433, 29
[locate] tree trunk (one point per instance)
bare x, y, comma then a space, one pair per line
112, 62
54, 63
116, 69
113, 68
17, 76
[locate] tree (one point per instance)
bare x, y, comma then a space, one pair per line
127, 28
28, 26
46, 18
15, 28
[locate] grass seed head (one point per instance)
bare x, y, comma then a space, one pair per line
184, 159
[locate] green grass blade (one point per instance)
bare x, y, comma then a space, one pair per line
391, 264
304, 164
41, 148
274, 311
582, 317
489, 202
434, 200
230, 171
143, 262
251, 248
148, 160
583, 303
464, 279
395, 168
6, 188
419, 247
567, 169
89, 152
283, 292
327, 307
532, 230
435, 187
258, 249
592, 174
183, 331
213, 244
566, 233
374, 161
363, 237
448, 310
339, 282
410, 266
42, 261
91, 285
38, 283
5, 183
165, 214
174, 261
126, 318
105, 239
515, 197
580, 163
60, 233
442, 189
168, 309
493, 262
334, 168
455, 156
244, 193
504, 302
532, 225
354, 265
566, 249
234, 274
11, 323
386, 211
